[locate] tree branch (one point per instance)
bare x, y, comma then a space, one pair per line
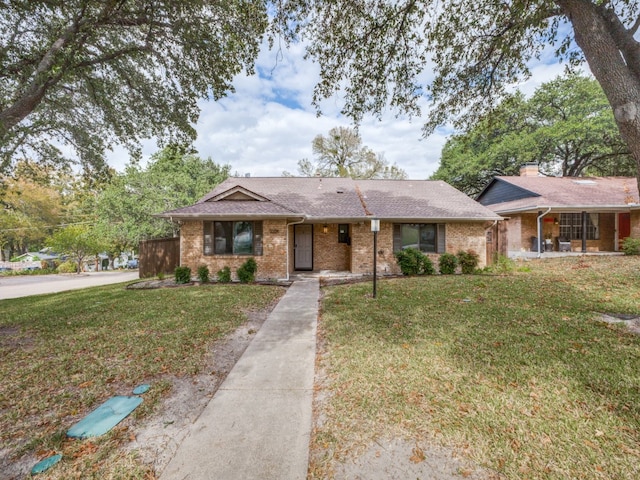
634, 28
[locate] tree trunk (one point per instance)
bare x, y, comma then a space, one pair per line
611, 52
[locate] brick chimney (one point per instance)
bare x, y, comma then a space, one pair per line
529, 170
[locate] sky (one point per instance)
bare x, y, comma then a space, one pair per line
268, 124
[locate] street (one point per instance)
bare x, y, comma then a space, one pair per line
26, 285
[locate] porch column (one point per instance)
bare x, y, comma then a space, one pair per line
584, 232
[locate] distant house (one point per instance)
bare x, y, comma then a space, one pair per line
576, 214
315, 224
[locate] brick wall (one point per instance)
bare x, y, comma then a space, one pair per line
635, 223
467, 236
328, 253
271, 264
459, 236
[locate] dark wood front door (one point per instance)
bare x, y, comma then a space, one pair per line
303, 247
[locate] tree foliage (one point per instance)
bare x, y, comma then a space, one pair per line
379, 54
76, 241
566, 127
341, 154
175, 177
87, 74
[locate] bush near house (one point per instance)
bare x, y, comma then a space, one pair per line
413, 262
224, 275
631, 246
468, 261
448, 263
247, 271
182, 275
203, 274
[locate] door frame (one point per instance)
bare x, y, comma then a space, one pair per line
295, 235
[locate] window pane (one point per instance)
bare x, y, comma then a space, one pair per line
242, 238
208, 238
428, 237
223, 236
410, 236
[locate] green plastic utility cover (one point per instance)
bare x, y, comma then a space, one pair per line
105, 417
140, 389
46, 464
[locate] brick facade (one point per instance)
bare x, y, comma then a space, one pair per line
328, 253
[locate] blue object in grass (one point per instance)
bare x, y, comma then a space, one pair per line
46, 464
105, 417
140, 389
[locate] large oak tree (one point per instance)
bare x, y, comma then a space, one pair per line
566, 127
87, 74
379, 53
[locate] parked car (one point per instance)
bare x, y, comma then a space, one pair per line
133, 263
5, 269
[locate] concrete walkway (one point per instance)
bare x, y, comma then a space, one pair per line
258, 424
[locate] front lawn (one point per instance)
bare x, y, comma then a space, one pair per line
64, 354
514, 371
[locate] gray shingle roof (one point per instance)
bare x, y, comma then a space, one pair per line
326, 199
571, 193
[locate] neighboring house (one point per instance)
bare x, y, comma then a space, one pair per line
576, 214
291, 224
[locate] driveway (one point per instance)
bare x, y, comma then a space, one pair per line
26, 285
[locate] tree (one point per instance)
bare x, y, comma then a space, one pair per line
77, 241
90, 73
30, 207
380, 53
566, 126
341, 154
175, 177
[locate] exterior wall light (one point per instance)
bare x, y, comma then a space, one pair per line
325, 228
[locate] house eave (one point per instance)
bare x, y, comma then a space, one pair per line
568, 208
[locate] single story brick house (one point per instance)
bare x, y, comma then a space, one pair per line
292, 224
578, 214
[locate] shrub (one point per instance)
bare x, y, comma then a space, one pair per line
67, 267
502, 265
631, 246
413, 262
203, 274
448, 263
224, 275
247, 271
182, 275
468, 261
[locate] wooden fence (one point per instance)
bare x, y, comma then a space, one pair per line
160, 255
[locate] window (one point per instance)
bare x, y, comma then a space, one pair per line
343, 233
232, 238
571, 226
426, 237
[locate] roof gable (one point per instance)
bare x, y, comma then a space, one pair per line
237, 193
501, 190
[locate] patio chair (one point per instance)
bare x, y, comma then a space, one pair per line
564, 245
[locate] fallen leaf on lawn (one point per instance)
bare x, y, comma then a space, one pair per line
418, 455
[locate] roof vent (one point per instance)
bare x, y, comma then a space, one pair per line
340, 190
585, 182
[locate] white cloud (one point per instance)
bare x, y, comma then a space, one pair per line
267, 125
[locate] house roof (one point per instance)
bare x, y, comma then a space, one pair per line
334, 199
512, 194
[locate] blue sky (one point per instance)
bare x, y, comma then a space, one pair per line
268, 124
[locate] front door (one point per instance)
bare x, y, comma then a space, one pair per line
624, 228
303, 247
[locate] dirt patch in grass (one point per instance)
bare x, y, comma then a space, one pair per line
158, 437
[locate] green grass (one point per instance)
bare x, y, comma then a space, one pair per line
64, 354
515, 371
